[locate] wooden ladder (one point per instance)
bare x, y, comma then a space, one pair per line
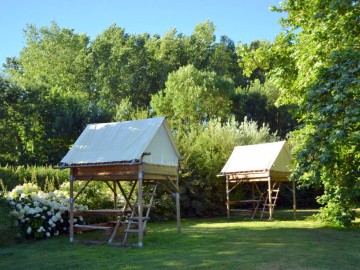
274, 193
133, 219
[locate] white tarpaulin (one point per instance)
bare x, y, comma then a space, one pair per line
124, 142
259, 157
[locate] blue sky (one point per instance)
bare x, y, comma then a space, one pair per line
241, 20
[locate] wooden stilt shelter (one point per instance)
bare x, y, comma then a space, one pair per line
264, 168
140, 152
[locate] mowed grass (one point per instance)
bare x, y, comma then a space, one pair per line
216, 243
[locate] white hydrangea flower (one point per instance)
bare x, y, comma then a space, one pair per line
28, 230
14, 213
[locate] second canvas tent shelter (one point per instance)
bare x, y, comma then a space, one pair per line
140, 152
268, 163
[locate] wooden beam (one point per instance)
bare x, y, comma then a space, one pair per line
177, 199
71, 210
294, 197
140, 208
127, 197
270, 198
227, 198
87, 182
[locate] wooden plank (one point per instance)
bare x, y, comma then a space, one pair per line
241, 210
244, 201
160, 169
92, 227
99, 212
248, 175
106, 172
133, 230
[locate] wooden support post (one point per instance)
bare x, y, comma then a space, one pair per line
270, 198
294, 197
227, 198
177, 199
140, 206
71, 210
115, 195
253, 194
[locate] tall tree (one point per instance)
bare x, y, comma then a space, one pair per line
258, 103
317, 66
192, 97
199, 45
223, 60
120, 68
52, 57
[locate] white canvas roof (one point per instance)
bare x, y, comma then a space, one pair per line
124, 142
259, 157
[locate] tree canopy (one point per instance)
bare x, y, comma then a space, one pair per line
316, 65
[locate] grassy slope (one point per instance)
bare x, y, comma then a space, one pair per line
204, 244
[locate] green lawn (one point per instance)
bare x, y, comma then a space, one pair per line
216, 243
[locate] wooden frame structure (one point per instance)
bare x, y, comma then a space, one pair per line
140, 152
264, 197
138, 174
266, 168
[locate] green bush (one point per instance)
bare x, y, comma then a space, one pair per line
7, 231
46, 177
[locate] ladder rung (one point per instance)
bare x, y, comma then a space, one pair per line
137, 218
92, 227
130, 222
241, 210
268, 204
244, 201
132, 230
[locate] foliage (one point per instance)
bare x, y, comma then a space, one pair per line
7, 231
327, 148
193, 97
40, 215
126, 111
255, 59
317, 67
46, 177
258, 103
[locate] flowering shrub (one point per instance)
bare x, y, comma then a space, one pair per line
38, 214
